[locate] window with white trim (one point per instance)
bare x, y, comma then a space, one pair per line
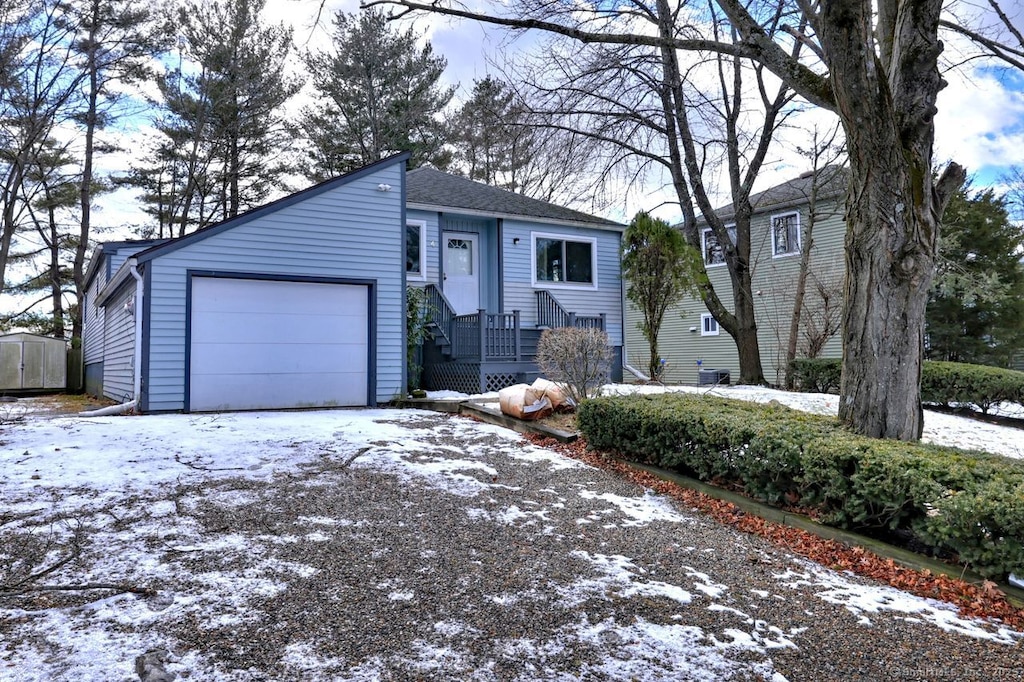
562, 260
708, 325
785, 234
713, 252
415, 249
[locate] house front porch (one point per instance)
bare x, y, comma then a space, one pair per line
484, 352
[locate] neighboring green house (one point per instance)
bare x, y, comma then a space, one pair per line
691, 340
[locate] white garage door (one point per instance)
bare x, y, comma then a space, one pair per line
260, 344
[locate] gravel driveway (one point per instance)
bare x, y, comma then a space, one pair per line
447, 550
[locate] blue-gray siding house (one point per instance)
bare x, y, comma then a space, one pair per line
299, 303
499, 268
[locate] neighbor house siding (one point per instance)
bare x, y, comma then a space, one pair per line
519, 290
681, 343
351, 231
119, 344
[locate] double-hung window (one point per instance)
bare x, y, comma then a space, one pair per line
415, 249
714, 252
708, 325
558, 259
785, 234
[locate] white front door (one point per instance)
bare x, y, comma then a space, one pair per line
462, 271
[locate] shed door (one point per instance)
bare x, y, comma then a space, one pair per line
259, 344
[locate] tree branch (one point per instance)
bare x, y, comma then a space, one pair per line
1010, 55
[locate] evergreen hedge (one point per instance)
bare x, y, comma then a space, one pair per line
970, 503
942, 383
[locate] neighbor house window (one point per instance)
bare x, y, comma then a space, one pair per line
564, 261
785, 234
714, 254
708, 325
415, 250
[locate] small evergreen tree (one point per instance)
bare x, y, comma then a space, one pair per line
976, 307
659, 267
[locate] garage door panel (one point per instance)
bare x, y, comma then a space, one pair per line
284, 328
276, 344
240, 392
277, 359
225, 294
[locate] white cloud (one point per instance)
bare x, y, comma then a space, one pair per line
980, 122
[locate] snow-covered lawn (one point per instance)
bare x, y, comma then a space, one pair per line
447, 549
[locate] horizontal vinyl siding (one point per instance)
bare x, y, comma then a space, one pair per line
775, 279
518, 270
123, 253
119, 343
352, 231
433, 241
92, 328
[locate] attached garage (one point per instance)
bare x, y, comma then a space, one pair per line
263, 343
299, 303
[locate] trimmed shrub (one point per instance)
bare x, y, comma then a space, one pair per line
985, 526
816, 375
968, 502
942, 383
949, 383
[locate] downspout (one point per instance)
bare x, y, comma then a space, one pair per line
136, 359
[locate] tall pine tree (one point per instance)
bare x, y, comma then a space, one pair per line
225, 133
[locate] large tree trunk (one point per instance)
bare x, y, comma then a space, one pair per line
744, 330
886, 102
85, 192
890, 259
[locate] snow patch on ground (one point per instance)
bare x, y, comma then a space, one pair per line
862, 599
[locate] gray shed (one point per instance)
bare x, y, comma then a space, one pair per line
29, 362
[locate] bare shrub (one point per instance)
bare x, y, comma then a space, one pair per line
576, 359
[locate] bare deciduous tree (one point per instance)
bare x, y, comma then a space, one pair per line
875, 64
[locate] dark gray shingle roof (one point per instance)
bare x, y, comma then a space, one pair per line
432, 187
832, 185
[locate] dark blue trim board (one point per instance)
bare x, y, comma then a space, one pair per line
500, 239
371, 313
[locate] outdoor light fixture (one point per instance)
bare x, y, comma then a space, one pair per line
383, 187
515, 240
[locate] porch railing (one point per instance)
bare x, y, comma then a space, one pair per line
483, 336
439, 310
550, 313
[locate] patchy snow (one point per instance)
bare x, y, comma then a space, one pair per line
939, 428
95, 471
838, 589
